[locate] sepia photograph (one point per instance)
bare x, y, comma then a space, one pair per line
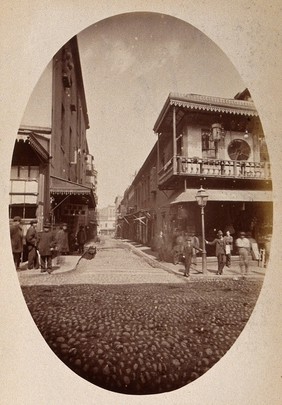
140, 209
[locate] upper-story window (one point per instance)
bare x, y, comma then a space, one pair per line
24, 172
179, 145
63, 123
208, 148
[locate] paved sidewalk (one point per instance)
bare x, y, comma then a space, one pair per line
70, 262
196, 271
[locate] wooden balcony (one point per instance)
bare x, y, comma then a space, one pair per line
179, 166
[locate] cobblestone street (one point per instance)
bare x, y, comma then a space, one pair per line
132, 328
115, 263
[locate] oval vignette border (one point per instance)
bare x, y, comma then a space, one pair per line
16, 317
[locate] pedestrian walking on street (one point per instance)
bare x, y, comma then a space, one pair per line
62, 239
228, 247
31, 242
244, 248
81, 239
46, 246
16, 235
161, 246
178, 247
196, 244
220, 252
188, 255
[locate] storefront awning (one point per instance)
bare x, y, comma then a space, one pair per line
61, 186
67, 188
226, 195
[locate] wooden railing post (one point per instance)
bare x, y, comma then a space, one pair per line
174, 140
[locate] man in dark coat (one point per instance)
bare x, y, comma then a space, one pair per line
178, 247
62, 239
16, 235
31, 242
220, 252
81, 239
46, 245
196, 244
188, 254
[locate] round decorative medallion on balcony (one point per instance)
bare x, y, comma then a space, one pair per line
239, 149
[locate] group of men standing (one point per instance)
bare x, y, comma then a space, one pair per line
186, 248
223, 250
224, 247
42, 246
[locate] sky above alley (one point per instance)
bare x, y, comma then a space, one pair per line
130, 63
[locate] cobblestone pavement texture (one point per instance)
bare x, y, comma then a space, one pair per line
132, 336
115, 263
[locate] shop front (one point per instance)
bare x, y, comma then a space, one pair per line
73, 204
234, 210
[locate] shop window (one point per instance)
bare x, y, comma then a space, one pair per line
30, 211
73, 209
24, 211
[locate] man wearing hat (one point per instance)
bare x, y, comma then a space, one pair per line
31, 242
81, 239
244, 248
62, 239
16, 235
188, 255
220, 251
46, 245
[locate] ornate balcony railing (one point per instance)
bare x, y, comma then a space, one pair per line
183, 166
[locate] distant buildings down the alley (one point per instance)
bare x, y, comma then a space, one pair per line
213, 142
53, 175
107, 220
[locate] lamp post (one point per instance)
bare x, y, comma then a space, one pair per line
202, 199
